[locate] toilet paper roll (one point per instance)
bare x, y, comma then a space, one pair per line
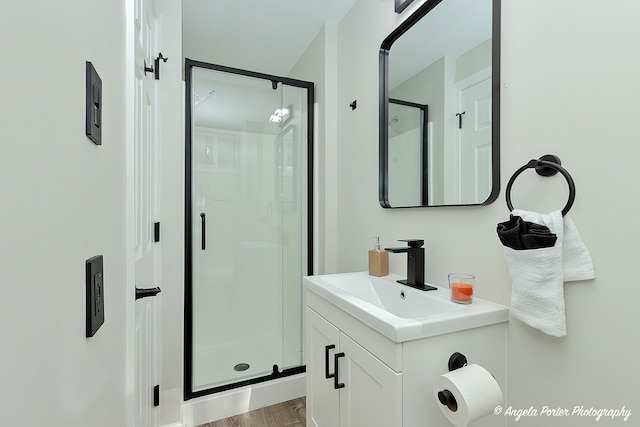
472, 393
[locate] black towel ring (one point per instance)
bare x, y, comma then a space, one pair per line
547, 165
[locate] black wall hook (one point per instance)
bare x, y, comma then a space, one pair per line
156, 66
354, 104
547, 165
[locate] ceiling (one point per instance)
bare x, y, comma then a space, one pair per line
267, 36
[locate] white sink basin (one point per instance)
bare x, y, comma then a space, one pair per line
400, 312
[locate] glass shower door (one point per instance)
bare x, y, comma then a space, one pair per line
248, 223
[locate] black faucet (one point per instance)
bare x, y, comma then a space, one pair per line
415, 264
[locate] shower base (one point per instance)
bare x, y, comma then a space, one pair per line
227, 364
215, 365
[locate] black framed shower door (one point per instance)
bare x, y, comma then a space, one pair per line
248, 225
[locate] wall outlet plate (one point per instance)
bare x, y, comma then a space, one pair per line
93, 117
95, 295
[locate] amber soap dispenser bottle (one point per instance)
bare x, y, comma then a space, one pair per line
378, 259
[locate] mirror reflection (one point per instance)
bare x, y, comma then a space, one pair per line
438, 125
406, 156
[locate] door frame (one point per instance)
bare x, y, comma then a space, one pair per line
188, 392
146, 317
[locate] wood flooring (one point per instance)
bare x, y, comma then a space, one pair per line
286, 414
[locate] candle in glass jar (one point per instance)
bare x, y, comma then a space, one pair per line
461, 291
461, 287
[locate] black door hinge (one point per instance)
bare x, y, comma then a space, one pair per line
156, 232
156, 395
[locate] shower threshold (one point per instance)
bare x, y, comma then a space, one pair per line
275, 374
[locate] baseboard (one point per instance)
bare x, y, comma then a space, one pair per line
173, 425
238, 401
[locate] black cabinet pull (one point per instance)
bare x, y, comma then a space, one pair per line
203, 221
326, 361
337, 384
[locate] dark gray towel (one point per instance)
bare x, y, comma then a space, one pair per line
520, 234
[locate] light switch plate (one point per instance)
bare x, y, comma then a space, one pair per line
95, 295
93, 118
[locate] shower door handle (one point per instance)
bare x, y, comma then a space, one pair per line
203, 220
326, 361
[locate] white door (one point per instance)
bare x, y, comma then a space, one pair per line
372, 392
475, 142
145, 214
323, 404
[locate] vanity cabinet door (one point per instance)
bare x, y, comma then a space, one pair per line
323, 400
372, 392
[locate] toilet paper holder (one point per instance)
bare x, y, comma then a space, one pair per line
456, 361
448, 399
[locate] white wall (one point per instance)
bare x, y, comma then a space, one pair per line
63, 201
569, 82
318, 64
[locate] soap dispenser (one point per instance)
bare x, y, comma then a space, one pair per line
378, 259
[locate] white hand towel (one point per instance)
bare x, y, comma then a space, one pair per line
537, 294
576, 260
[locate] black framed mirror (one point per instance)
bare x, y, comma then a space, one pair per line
445, 55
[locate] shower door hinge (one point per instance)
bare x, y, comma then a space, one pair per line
156, 232
156, 395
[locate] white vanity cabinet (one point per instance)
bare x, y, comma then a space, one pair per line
388, 379
346, 384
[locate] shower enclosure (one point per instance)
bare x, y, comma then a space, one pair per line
408, 153
248, 239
